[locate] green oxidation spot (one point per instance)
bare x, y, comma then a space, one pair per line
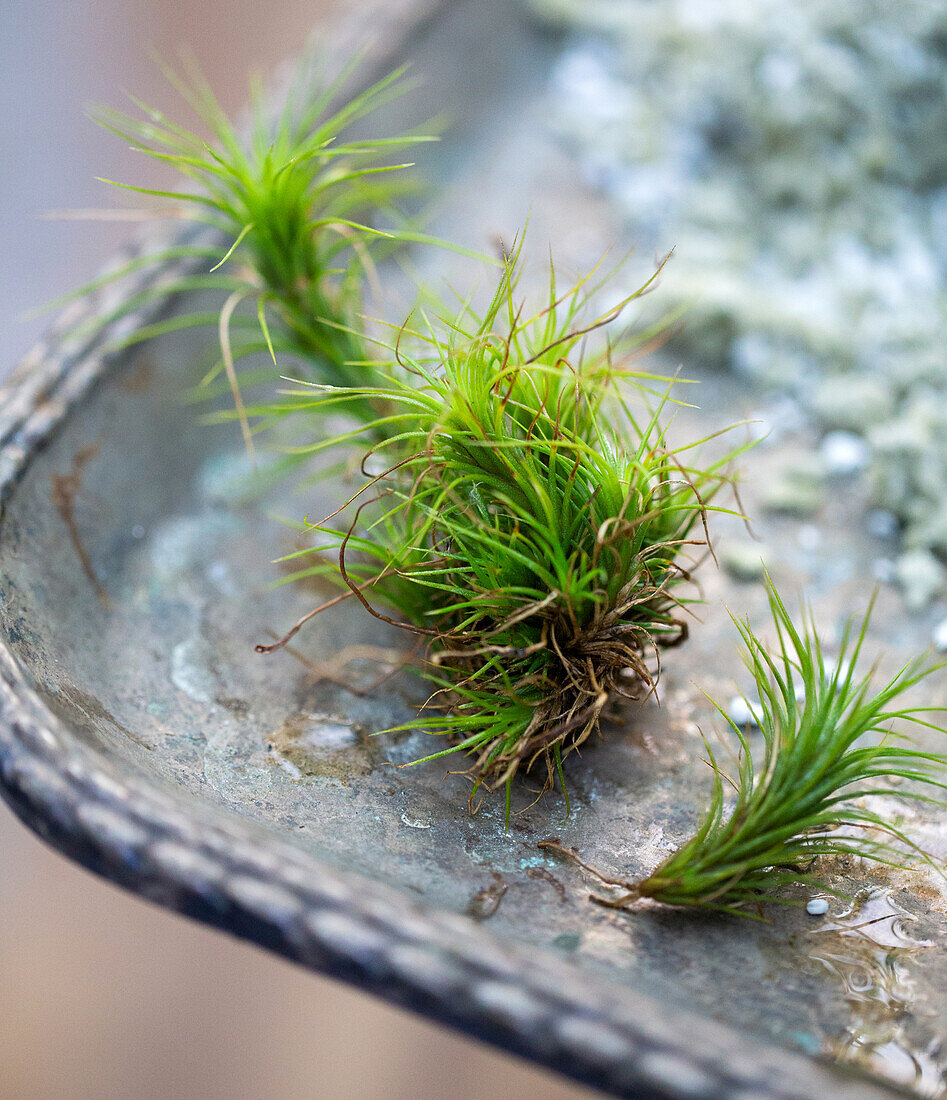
567, 941
534, 861
157, 709
807, 1041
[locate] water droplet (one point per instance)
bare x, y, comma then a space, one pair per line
869, 948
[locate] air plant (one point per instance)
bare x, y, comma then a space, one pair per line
829, 753
284, 202
531, 530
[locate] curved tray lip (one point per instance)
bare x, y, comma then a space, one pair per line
219, 869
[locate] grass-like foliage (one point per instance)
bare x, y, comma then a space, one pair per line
829, 755
289, 197
528, 527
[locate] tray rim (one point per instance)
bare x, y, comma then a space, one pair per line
220, 870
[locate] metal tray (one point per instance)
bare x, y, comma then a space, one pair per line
142, 736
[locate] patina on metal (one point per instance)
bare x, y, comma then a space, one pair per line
143, 737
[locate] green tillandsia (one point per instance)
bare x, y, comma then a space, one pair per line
289, 195
523, 523
828, 754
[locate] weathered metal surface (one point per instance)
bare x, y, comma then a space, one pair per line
142, 735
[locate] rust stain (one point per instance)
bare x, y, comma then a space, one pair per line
301, 743
65, 489
543, 875
486, 902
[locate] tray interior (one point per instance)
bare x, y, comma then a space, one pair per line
137, 576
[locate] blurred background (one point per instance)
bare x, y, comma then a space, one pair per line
101, 995
795, 155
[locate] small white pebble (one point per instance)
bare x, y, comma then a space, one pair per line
738, 709
817, 907
746, 561
921, 577
844, 453
940, 636
882, 524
